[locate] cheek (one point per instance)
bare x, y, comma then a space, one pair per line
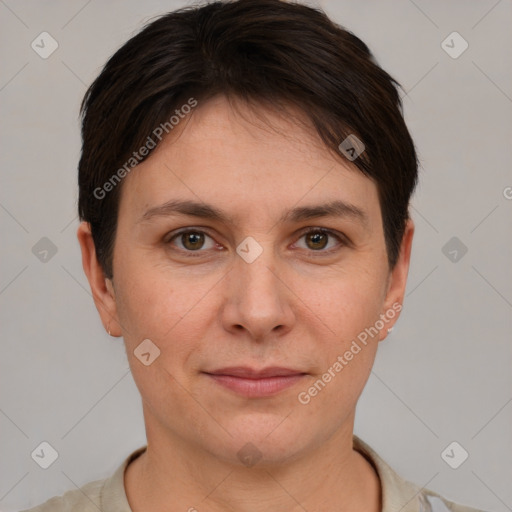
346, 303
349, 307
168, 314
172, 310
153, 302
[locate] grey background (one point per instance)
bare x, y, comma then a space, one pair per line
444, 373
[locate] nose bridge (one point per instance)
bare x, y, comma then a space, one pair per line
258, 280
259, 301
259, 277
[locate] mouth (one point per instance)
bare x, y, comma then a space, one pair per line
254, 383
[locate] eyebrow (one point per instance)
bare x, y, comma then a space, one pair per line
336, 208
332, 209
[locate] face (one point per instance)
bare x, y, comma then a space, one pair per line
244, 246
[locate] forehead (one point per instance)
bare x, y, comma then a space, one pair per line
250, 160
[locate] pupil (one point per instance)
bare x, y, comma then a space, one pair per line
318, 238
193, 240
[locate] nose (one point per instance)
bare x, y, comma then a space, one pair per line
258, 299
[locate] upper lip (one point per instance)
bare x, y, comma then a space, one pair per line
251, 373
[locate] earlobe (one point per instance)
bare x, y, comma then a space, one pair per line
101, 287
393, 303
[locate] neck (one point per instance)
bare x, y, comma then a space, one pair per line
172, 475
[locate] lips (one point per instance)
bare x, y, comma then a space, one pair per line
253, 383
250, 373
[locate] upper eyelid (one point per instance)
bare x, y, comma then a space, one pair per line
187, 230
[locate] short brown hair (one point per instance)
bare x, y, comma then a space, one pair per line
264, 52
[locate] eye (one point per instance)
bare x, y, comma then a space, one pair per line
320, 240
192, 240
316, 240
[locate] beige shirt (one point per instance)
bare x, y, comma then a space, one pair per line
109, 495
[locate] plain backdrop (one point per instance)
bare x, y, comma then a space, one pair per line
443, 375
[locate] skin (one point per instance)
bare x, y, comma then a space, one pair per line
299, 305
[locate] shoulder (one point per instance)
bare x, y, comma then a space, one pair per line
85, 499
100, 495
400, 494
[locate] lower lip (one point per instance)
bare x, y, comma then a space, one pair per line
253, 388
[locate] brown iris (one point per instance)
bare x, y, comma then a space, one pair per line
192, 240
318, 240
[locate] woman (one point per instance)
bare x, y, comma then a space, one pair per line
244, 188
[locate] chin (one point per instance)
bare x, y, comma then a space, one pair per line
265, 440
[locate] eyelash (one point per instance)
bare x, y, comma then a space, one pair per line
342, 241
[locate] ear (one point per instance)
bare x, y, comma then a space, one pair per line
397, 282
101, 287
